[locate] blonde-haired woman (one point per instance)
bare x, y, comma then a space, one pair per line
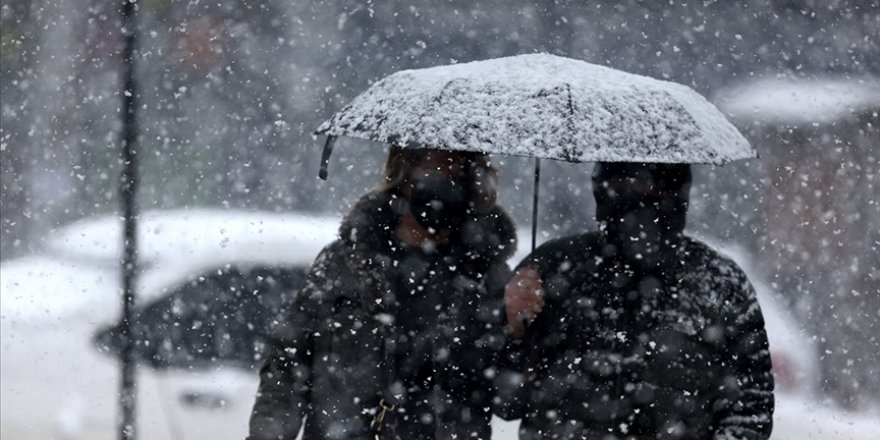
395, 333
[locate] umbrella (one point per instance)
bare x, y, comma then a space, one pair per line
541, 106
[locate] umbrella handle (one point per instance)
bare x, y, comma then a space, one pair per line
535, 202
325, 156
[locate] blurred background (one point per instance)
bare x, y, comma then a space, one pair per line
232, 90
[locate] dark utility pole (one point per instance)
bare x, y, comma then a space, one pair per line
128, 191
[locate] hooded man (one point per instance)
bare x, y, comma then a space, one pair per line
637, 331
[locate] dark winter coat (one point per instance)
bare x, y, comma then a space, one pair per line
621, 353
378, 319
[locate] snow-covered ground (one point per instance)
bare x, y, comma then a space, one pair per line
799, 417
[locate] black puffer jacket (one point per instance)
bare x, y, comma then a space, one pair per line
378, 319
621, 353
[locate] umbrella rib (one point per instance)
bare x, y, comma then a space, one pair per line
570, 102
569, 149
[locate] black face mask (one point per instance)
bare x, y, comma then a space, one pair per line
641, 228
439, 204
642, 219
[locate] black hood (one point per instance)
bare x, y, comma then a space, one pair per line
641, 208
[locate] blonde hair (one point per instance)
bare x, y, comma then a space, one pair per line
478, 167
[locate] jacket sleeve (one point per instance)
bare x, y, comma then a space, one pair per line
518, 362
512, 380
285, 378
745, 408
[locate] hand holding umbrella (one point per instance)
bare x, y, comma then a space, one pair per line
523, 300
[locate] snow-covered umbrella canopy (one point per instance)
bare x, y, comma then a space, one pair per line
542, 106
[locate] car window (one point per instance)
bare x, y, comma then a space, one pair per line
221, 316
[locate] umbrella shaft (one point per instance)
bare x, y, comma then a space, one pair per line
535, 202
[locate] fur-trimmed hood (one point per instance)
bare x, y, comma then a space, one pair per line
370, 226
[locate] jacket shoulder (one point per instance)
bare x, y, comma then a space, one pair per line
700, 253
327, 272
499, 234
718, 270
558, 250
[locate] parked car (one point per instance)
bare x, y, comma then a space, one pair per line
212, 282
